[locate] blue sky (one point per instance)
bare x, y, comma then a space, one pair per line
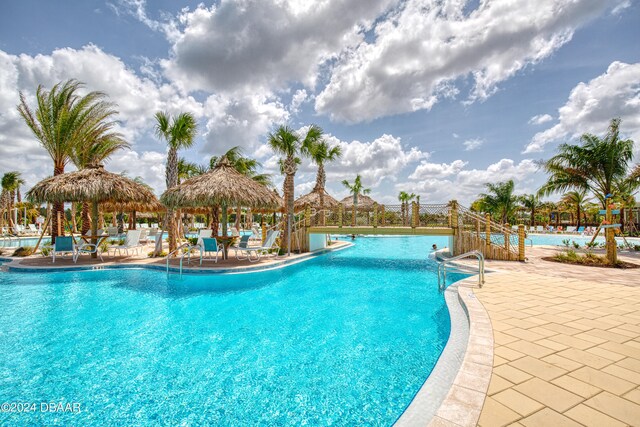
434, 98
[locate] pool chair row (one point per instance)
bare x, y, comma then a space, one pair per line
209, 246
65, 245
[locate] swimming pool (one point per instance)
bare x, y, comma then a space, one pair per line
347, 338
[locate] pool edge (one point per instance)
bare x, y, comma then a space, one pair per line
466, 389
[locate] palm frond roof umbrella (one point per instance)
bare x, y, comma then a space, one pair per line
313, 199
93, 184
223, 186
364, 201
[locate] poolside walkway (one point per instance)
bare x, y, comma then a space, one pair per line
567, 345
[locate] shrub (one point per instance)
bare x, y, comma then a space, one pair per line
23, 251
566, 242
46, 250
576, 244
160, 255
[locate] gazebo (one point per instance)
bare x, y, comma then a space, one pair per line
223, 186
92, 184
314, 198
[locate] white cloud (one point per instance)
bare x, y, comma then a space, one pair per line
442, 182
540, 119
137, 101
264, 44
592, 105
622, 6
472, 144
297, 100
423, 48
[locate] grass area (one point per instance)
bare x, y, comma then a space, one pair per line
588, 259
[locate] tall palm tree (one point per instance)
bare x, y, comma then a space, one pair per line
356, 189
594, 165
321, 153
576, 199
11, 182
101, 145
500, 200
62, 120
178, 132
404, 199
286, 142
625, 191
530, 202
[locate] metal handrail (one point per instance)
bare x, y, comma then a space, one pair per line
182, 246
442, 267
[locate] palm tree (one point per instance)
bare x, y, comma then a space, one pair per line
94, 151
499, 200
286, 142
62, 120
594, 165
531, 202
321, 153
356, 189
404, 199
179, 132
11, 182
625, 191
577, 200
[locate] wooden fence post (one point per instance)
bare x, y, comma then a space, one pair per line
382, 215
487, 235
521, 242
340, 210
507, 234
375, 214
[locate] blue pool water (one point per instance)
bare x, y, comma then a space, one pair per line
347, 338
556, 239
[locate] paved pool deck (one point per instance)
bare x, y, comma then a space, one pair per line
566, 344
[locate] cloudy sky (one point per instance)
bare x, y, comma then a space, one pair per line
431, 97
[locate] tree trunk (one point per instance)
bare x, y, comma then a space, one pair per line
86, 220
533, 217
288, 197
172, 181
578, 222
215, 219
57, 207
238, 216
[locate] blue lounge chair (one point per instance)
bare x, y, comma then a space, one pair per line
242, 245
580, 229
64, 245
210, 245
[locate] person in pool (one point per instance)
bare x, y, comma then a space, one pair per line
434, 247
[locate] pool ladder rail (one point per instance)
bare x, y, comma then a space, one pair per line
189, 249
442, 267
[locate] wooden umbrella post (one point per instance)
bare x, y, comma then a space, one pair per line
43, 230
94, 228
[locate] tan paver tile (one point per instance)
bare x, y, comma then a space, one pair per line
562, 362
616, 407
603, 380
623, 373
498, 384
495, 414
439, 422
507, 353
633, 395
547, 418
541, 330
614, 357
538, 368
474, 382
585, 358
500, 338
457, 408
576, 386
524, 334
549, 394
608, 335
630, 363
512, 374
620, 349
497, 360
518, 402
521, 323
591, 338
562, 329
551, 344
592, 418
626, 332
530, 348
572, 341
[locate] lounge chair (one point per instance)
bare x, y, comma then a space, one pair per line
64, 245
539, 229
256, 233
144, 235
580, 230
270, 243
210, 245
33, 229
571, 229
112, 231
242, 245
203, 234
89, 248
132, 241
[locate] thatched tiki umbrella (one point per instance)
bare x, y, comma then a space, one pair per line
223, 186
364, 201
92, 184
313, 199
